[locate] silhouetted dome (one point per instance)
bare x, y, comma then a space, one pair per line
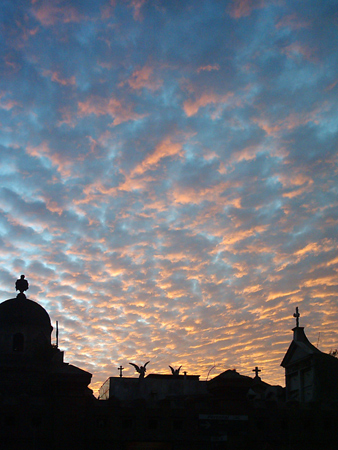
22, 311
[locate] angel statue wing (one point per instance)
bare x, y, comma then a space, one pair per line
136, 367
175, 372
140, 369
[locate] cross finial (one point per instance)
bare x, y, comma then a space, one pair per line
296, 315
256, 370
120, 369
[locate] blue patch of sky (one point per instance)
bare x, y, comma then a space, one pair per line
253, 40
218, 258
23, 191
3, 232
171, 215
272, 181
7, 168
295, 77
86, 33
47, 236
167, 97
83, 80
143, 321
82, 214
39, 229
190, 152
45, 161
328, 127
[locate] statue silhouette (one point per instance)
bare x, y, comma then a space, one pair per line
140, 369
21, 284
175, 372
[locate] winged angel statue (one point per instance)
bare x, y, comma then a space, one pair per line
140, 369
175, 372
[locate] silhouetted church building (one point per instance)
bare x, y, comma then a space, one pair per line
46, 403
43, 400
311, 375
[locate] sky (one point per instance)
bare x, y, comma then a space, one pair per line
169, 178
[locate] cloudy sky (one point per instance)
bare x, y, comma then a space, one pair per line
169, 178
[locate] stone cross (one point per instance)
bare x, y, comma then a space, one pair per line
297, 315
120, 369
256, 370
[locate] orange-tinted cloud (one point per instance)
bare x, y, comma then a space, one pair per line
330, 280
55, 76
59, 161
235, 236
199, 194
113, 107
317, 248
208, 68
293, 120
7, 104
67, 117
136, 179
292, 21
297, 50
332, 85
243, 8
166, 148
137, 6
303, 182
144, 78
274, 295
191, 107
49, 13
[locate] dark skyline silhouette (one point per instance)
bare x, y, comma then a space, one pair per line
46, 402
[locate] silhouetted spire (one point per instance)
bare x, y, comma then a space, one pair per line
296, 315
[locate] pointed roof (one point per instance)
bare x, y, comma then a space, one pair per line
300, 348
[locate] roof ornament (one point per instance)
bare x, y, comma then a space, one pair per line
175, 372
256, 370
140, 369
120, 369
21, 285
296, 315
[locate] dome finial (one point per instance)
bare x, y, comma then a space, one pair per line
21, 285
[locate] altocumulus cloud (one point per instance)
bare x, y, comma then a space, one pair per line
169, 178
